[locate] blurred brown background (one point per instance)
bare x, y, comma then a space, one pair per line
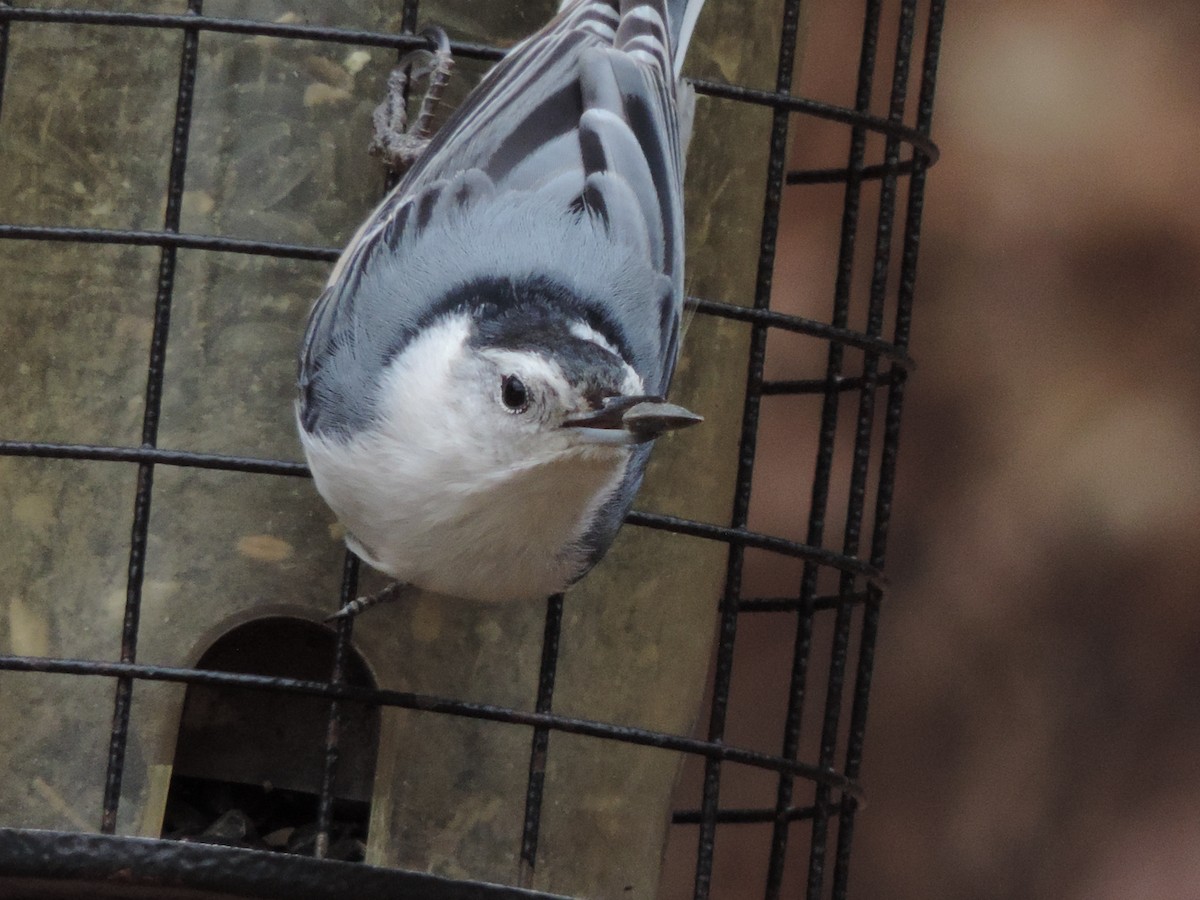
1035, 719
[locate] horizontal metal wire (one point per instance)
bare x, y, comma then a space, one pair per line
795, 604
774, 99
749, 816
188, 458
768, 318
820, 110
756, 541
800, 325
433, 704
136, 238
842, 175
839, 383
251, 27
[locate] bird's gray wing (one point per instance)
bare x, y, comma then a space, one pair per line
565, 160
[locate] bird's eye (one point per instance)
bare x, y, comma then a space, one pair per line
513, 393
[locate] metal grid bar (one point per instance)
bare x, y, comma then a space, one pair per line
5, 5
540, 746
731, 311
345, 626
431, 704
861, 451
727, 634
891, 438
841, 176
822, 476
779, 100
333, 725
408, 21
866, 417
839, 383
761, 320
186, 458
153, 407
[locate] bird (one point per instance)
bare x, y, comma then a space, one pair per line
484, 375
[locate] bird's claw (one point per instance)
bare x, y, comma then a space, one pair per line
395, 141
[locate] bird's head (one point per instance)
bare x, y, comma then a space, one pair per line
523, 386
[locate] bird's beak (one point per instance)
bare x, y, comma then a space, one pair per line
631, 420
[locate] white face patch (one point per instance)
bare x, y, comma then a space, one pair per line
420, 381
586, 332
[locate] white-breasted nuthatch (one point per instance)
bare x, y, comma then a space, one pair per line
484, 375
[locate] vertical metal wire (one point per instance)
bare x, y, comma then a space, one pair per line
727, 633
541, 742
866, 415
891, 435
150, 419
827, 435
333, 725
349, 590
408, 19
4, 27
408, 25
846, 253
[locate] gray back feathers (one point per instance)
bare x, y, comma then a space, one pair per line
565, 167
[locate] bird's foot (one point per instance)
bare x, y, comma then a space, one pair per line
392, 592
395, 141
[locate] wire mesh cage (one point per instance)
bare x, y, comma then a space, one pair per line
296, 707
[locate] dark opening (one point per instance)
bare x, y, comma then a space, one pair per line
248, 764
